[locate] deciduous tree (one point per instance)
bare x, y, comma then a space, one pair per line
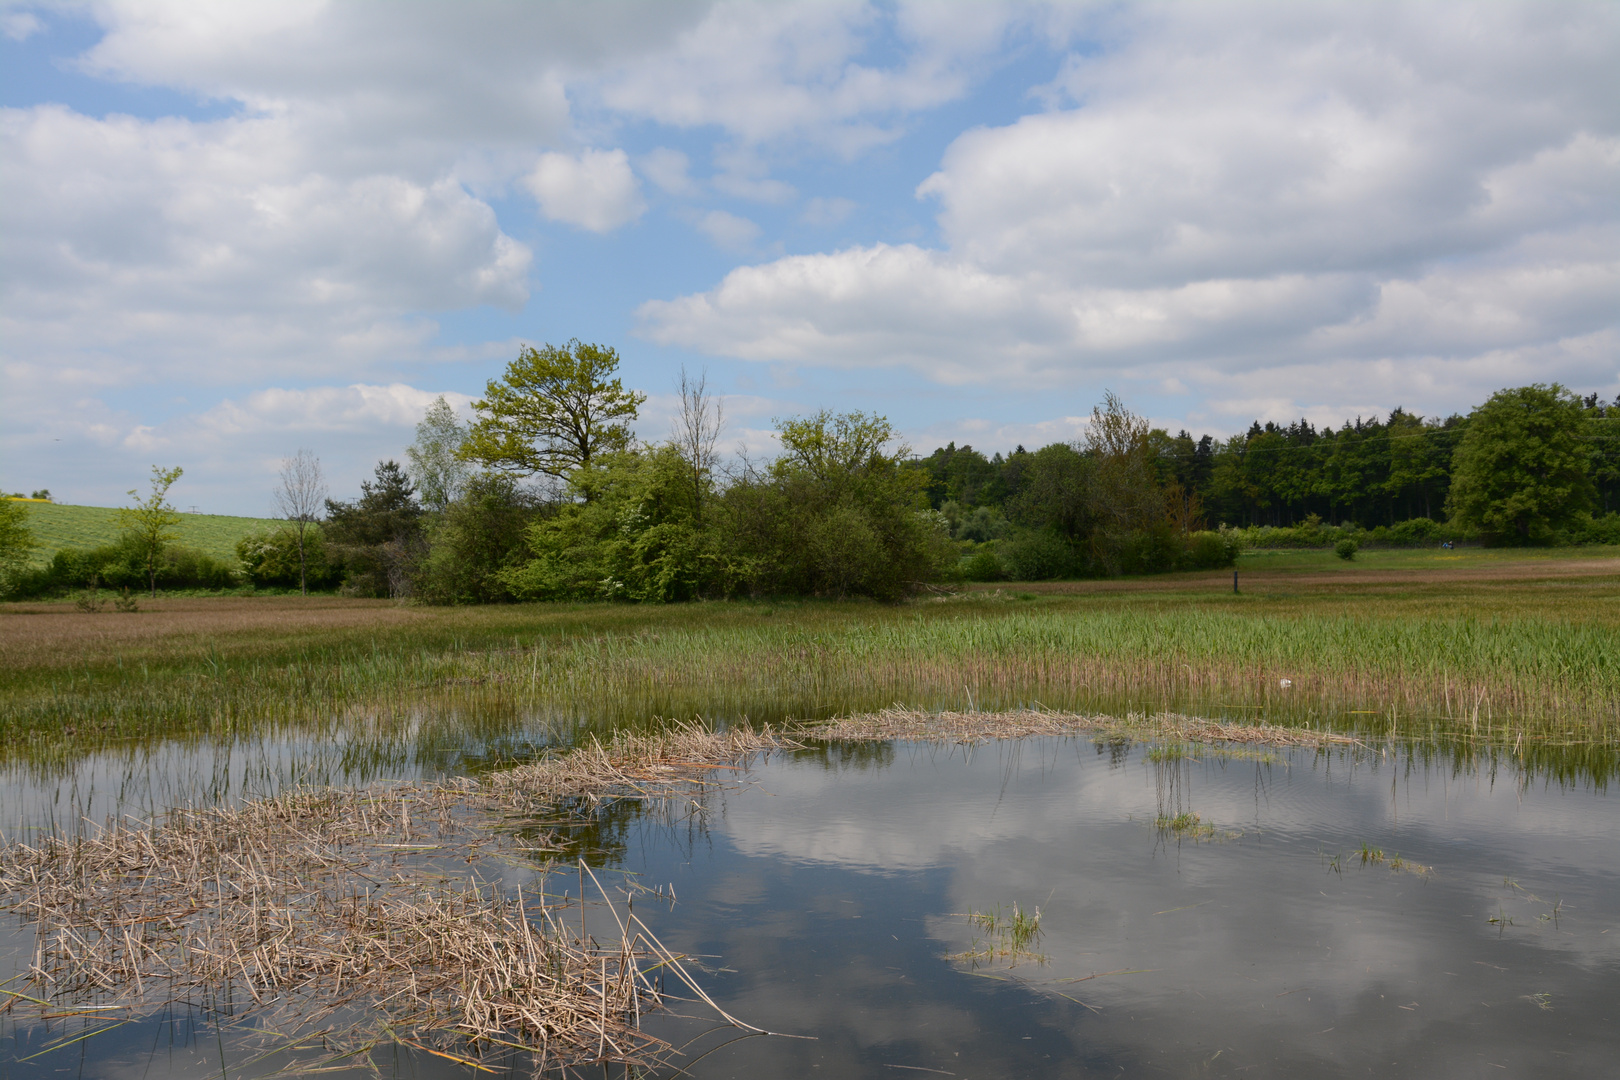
1519, 472
436, 465
150, 523
299, 500
554, 411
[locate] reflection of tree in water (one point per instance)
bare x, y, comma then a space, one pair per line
1118, 750
1171, 780
599, 833
838, 756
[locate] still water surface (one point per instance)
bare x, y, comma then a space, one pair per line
828, 896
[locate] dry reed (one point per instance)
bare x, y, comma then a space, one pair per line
317, 906
902, 723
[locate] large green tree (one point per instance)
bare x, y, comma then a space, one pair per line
1519, 473
150, 523
555, 410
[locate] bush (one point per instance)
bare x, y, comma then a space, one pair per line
476, 540
1589, 529
120, 566
1209, 550
1346, 549
271, 559
1040, 555
983, 565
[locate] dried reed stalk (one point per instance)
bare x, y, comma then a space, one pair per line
902, 723
317, 905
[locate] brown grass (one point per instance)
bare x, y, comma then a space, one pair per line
320, 906
973, 727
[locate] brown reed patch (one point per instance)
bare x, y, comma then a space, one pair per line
902, 723
355, 916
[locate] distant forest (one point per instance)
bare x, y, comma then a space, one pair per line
1367, 473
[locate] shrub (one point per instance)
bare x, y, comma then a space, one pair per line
271, 559
1040, 555
983, 565
1346, 549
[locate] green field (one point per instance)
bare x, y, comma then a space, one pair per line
57, 526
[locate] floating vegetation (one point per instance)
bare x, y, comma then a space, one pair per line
1185, 826
1003, 934
1373, 856
321, 906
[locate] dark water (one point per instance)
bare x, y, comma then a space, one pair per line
827, 898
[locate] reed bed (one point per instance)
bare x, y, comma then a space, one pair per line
355, 917
976, 727
1505, 679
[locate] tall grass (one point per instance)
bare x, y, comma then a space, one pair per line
1537, 679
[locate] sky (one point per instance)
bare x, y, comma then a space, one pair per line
229, 232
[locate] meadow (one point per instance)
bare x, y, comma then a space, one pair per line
56, 526
1509, 648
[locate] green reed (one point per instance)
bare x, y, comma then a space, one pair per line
1525, 681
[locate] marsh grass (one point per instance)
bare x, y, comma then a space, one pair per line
1003, 934
1514, 662
1186, 825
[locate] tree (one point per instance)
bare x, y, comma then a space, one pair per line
840, 513
150, 523
17, 542
697, 436
1519, 472
553, 412
436, 466
299, 500
379, 534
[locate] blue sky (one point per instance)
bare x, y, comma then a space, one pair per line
234, 231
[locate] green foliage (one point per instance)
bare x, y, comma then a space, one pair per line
377, 539
1346, 549
1594, 529
436, 466
838, 514
554, 411
983, 565
1519, 473
630, 535
150, 523
17, 544
122, 565
270, 558
477, 539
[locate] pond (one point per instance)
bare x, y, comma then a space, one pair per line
1078, 907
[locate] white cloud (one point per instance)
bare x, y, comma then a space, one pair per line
728, 231
668, 169
204, 250
595, 191
764, 72
1237, 190
20, 25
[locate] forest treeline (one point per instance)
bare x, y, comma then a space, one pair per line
547, 495
1554, 456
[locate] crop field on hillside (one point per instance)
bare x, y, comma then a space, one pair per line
57, 526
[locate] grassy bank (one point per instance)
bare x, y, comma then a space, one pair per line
57, 526
1496, 646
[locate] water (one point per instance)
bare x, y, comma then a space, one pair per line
827, 897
